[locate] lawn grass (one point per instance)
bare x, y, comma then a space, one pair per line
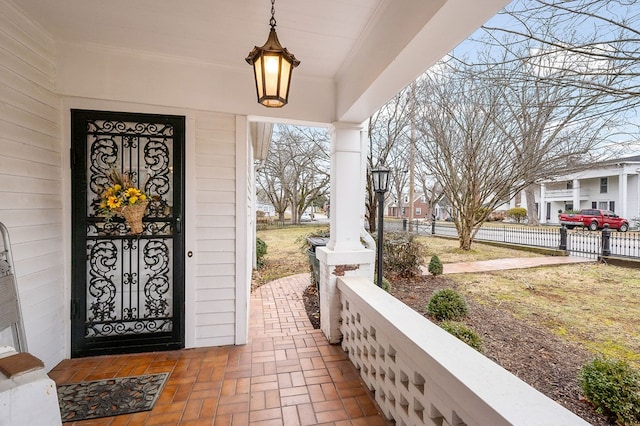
595, 305
449, 251
285, 254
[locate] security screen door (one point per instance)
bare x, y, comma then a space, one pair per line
127, 289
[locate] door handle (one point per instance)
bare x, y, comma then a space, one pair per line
178, 225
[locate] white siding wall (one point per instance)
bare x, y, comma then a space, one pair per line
592, 188
215, 299
30, 179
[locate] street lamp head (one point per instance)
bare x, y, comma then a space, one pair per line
380, 179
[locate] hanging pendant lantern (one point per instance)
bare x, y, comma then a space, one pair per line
272, 68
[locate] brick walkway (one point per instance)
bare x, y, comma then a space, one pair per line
287, 375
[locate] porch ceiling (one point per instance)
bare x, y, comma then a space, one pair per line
365, 50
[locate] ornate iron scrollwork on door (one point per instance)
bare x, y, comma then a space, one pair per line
129, 279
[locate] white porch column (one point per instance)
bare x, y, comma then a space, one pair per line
576, 194
542, 204
344, 255
622, 195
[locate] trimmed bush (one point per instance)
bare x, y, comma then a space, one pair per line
447, 304
261, 251
517, 213
464, 333
402, 254
435, 266
613, 387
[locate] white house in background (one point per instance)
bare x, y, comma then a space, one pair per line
611, 185
268, 209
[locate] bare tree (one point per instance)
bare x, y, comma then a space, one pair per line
296, 171
540, 96
465, 147
558, 128
272, 181
594, 30
496, 130
573, 69
429, 186
387, 129
399, 177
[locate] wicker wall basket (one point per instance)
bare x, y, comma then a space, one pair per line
133, 215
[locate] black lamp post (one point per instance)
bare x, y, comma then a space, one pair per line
380, 180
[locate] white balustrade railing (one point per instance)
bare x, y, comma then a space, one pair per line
422, 375
559, 193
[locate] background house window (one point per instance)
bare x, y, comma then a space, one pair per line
612, 206
602, 205
568, 206
594, 204
604, 183
569, 184
548, 216
418, 211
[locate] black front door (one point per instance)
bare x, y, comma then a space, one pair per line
127, 289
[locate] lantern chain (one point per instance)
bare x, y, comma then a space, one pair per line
272, 21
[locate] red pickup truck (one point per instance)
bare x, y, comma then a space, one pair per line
594, 219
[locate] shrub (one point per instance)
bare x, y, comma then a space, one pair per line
497, 216
447, 304
386, 285
435, 266
261, 250
402, 254
482, 212
517, 213
464, 333
614, 389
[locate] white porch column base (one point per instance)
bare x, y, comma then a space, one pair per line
334, 264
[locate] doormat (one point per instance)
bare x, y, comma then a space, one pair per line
109, 397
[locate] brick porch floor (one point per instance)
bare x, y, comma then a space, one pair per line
287, 375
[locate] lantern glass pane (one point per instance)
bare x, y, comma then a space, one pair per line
271, 68
272, 103
257, 67
285, 75
375, 179
385, 180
